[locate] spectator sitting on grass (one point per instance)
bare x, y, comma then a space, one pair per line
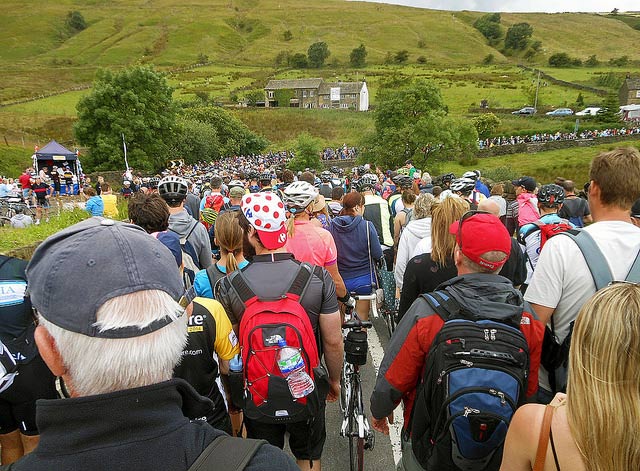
21, 220
94, 204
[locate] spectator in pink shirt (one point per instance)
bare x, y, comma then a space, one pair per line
527, 200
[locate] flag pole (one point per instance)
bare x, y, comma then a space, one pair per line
124, 146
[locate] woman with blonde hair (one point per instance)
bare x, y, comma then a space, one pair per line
228, 236
596, 425
425, 272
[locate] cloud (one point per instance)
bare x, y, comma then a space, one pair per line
550, 6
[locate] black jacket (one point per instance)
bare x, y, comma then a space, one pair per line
136, 429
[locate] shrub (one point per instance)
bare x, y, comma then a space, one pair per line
299, 61
488, 59
401, 57
75, 21
421, 60
287, 35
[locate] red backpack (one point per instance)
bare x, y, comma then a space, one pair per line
264, 322
209, 213
549, 230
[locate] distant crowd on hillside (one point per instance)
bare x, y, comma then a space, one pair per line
340, 153
558, 136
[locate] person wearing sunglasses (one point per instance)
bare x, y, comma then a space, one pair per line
478, 293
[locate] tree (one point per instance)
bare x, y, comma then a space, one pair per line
287, 35
298, 61
233, 136
136, 102
621, 61
202, 58
194, 141
488, 59
75, 22
610, 109
580, 100
615, 11
518, 35
411, 122
486, 124
358, 56
401, 57
317, 54
592, 61
307, 153
254, 96
489, 26
560, 59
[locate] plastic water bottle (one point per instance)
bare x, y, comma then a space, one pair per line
291, 364
236, 381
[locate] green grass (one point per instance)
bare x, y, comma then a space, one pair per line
13, 160
544, 166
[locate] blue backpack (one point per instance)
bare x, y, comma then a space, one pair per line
474, 379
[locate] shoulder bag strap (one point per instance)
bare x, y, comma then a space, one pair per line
543, 440
229, 454
445, 306
597, 264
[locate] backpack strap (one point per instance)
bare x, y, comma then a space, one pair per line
444, 305
211, 275
242, 288
634, 271
597, 264
301, 281
230, 454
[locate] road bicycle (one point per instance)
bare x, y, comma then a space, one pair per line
355, 425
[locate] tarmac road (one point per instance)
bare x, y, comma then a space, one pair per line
336, 450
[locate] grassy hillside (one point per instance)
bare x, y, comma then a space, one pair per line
171, 33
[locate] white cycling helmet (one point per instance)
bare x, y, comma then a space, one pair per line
173, 188
463, 185
298, 195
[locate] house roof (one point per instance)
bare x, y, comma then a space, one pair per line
633, 83
293, 84
345, 87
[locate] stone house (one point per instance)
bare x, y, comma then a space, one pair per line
630, 92
316, 93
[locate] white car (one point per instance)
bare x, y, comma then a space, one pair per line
591, 111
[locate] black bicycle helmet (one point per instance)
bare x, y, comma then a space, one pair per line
448, 177
551, 195
325, 176
153, 182
367, 182
402, 181
265, 177
173, 188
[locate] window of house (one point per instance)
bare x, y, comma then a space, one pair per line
270, 94
304, 94
344, 105
311, 93
638, 94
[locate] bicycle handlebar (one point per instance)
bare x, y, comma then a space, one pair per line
355, 322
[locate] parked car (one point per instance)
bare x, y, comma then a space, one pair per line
591, 111
525, 110
560, 112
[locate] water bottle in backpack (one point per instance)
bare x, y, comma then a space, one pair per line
291, 364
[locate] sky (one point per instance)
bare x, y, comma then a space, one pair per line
551, 6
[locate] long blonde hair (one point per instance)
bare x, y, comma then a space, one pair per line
603, 390
228, 234
443, 214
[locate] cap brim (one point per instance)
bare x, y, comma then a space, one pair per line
273, 240
515, 182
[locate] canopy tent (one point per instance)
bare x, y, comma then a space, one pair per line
55, 154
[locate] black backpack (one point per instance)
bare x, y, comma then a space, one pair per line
474, 379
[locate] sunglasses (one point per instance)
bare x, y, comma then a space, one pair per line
464, 217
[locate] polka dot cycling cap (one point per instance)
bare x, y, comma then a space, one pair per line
266, 213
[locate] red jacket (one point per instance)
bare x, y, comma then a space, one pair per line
405, 358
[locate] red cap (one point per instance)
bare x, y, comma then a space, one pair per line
482, 233
266, 213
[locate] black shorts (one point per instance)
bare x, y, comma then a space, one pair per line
18, 403
305, 440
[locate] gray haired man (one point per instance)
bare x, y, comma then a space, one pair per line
111, 327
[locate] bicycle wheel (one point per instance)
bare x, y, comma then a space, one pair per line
356, 443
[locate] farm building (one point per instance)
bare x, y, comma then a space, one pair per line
630, 91
316, 93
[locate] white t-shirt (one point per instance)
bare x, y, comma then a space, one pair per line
563, 281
